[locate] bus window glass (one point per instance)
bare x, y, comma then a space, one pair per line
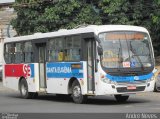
8, 53
59, 49
28, 53
51, 44
76, 54
56, 49
64, 49
59, 43
51, 51
18, 53
72, 48
28, 47
76, 42
52, 55
69, 42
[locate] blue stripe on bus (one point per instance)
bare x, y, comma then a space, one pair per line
63, 70
32, 70
129, 78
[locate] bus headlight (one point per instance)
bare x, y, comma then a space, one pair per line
151, 79
106, 80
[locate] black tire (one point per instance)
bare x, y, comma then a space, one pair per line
62, 95
77, 93
121, 98
24, 90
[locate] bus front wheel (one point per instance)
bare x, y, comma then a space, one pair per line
121, 98
77, 93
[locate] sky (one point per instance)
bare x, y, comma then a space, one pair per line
6, 1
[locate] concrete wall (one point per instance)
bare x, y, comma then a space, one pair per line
6, 1
6, 14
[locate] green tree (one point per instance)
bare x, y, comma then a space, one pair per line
155, 27
115, 11
144, 13
44, 16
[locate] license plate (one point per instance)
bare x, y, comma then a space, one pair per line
131, 87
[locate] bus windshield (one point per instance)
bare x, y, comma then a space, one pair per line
125, 49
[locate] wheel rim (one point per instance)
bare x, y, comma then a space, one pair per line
23, 89
76, 91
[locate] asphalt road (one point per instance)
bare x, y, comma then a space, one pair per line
10, 101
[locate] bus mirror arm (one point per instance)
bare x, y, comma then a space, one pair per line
100, 50
96, 65
97, 60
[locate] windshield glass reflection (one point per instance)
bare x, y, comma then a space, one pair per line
125, 49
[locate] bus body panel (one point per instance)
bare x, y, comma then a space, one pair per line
59, 74
36, 78
57, 85
106, 89
151, 87
14, 72
11, 82
103, 88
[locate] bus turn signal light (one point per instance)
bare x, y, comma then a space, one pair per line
76, 66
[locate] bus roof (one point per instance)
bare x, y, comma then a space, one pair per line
91, 28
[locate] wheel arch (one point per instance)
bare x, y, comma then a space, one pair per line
70, 84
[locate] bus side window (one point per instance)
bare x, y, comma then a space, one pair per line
72, 48
76, 54
66, 58
61, 56
12, 53
76, 51
56, 51
65, 49
51, 55
28, 52
18, 53
8, 53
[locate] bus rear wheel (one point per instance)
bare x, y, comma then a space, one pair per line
24, 90
121, 98
77, 93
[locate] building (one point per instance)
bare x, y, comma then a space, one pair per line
6, 14
6, 2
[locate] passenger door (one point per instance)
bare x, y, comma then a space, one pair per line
41, 59
90, 46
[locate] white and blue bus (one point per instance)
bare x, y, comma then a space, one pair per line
88, 61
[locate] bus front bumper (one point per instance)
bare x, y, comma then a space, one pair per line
125, 88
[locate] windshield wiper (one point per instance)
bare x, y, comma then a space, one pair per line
135, 54
120, 54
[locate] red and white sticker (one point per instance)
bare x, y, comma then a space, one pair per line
126, 64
